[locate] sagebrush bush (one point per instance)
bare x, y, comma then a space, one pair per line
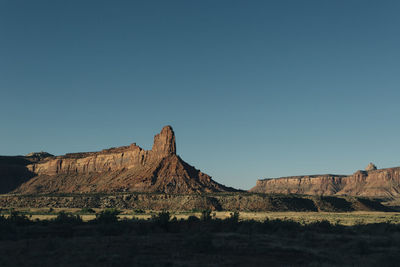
139, 211
67, 218
161, 219
323, 225
18, 218
206, 215
234, 217
192, 219
107, 216
87, 210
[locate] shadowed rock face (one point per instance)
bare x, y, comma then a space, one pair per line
372, 182
128, 168
13, 172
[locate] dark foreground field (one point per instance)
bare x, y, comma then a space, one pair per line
162, 241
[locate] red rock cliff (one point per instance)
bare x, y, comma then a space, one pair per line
128, 168
372, 182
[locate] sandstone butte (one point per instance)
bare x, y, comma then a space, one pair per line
133, 169
121, 169
372, 182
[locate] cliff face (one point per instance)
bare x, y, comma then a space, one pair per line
309, 185
376, 183
13, 172
113, 159
128, 168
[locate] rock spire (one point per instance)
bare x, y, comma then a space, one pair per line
164, 142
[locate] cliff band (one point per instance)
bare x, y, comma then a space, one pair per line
122, 169
372, 182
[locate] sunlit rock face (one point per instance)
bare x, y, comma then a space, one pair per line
121, 169
371, 182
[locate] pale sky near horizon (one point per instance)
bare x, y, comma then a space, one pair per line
252, 89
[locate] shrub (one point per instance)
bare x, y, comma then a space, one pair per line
67, 218
87, 210
281, 225
139, 211
161, 219
192, 219
18, 218
323, 225
107, 216
206, 215
234, 217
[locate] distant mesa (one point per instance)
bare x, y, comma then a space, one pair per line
371, 182
121, 169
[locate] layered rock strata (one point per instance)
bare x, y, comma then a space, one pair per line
122, 169
372, 182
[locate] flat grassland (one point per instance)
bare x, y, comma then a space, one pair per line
341, 218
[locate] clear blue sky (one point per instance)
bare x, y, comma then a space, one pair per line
252, 88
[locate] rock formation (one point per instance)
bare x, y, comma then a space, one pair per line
38, 155
14, 171
372, 182
133, 169
121, 169
370, 167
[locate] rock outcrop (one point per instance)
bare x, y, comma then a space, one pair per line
121, 169
36, 156
371, 167
372, 183
14, 171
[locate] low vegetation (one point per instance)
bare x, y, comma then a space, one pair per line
88, 214
239, 201
164, 240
